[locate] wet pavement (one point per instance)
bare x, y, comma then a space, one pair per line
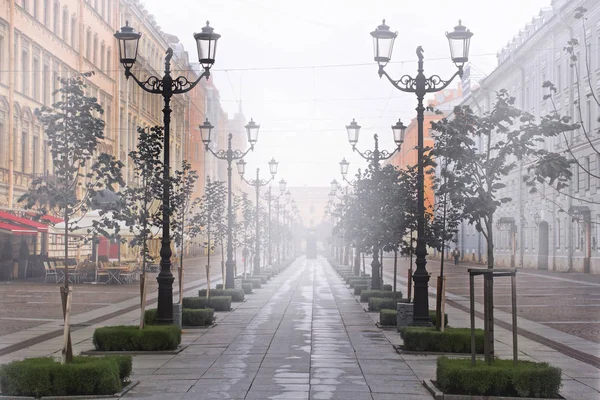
302, 336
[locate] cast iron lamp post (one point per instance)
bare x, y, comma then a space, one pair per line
269, 197
344, 198
282, 186
166, 86
374, 157
257, 183
229, 155
383, 44
354, 183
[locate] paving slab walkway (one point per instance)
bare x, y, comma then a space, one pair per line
302, 336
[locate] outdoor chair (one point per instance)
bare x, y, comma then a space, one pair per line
127, 275
101, 272
60, 272
50, 271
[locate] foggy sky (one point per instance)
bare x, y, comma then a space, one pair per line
303, 111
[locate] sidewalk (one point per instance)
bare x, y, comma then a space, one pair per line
302, 336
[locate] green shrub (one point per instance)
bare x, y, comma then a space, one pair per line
387, 288
220, 303
247, 287
237, 295
388, 317
359, 288
255, 283
354, 282
219, 286
197, 317
150, 316
377, 303
350, 276
434, 319
366, 294
452, 340
132, 338
502, 378
195, 303
46, 377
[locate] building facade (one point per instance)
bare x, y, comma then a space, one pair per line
549, 229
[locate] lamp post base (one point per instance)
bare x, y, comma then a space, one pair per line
229, 274
164, 312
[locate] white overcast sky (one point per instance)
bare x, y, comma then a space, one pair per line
303, 111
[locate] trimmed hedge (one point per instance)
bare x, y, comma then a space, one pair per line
218, 303
132, 338
237, 295
358, 289
388, 317
255, 283
452, 340
502, 378
85, 376
354, 282
377, 303
434, 319
197, 317
247, 288
366, 294
219, 286
387, 288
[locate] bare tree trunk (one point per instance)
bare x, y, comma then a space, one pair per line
395, 269
67, 352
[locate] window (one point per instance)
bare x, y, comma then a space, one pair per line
35, 9
34, 159
45, 158
24, 5
73, 31
88, 45
24, 152
108, 132
108, 11
25, 74
56, 18
102, 49
103, 8
95, 54
108, 62
46, 12
46, 85
3, 146
35, 82
558, 233
2, 58
65, 25
586, 164
558, 77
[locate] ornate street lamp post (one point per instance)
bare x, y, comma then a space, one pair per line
282, 186
257, 183
269, 197
374, 156
166, 86
229, 155
383, 43
344, 171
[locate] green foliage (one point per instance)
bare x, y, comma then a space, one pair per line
219, 286
387, 288
434, 319
247, 288
218, 303
256, 283
377, 303
195, 303
197, 317
502, 378
131, 338
46, 377
388, 317
366, 294
452, 340
358, 289
354, 282
237, 295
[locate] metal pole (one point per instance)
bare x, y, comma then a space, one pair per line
164, 313
420, 277
229, 264
257, 253
270, 222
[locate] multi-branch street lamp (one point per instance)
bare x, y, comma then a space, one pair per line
335, 187
166, 86
353, 183
257, 183
229, 155
383, 44
287, 197
374, 156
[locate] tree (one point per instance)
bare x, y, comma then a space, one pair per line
74, 128
182, 207
475, 178
212, 212
141, 201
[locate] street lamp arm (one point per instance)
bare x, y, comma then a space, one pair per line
408, 84
156, 85
224, 154
352, 183
258, 182
371, 155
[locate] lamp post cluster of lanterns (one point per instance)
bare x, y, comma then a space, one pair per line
383, 44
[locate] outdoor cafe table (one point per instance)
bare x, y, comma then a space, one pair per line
114, 273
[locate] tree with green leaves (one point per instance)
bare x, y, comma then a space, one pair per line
476, 175
212, 212
74, 128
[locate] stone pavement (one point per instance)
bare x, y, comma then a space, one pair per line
303, 336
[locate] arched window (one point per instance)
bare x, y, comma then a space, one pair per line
88, 45
73, 31
95, 55
65, 24
56, 24
102, 68
109, 62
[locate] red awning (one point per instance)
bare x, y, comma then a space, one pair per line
17, 230
52, 219
7, 217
